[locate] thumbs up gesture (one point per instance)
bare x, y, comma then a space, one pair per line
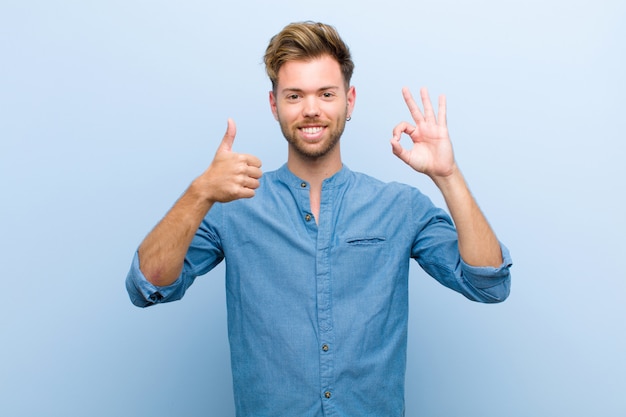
231, 175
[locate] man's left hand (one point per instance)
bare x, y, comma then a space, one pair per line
431, 153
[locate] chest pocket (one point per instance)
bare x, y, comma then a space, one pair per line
360, 261
366, 241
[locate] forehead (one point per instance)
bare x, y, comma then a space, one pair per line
322, 72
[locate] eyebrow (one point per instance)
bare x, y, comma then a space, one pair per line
299, 90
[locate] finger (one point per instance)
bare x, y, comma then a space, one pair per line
254, 172
252, 183
401, 128
399, 151
396, 147
246, 192
252, 161
441, 114
412, 105
229, 136
429, 112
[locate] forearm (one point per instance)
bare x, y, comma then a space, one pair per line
162, 253
230, 176
478, 243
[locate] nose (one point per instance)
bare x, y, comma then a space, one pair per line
311, 107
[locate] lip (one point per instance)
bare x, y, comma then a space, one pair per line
311, 132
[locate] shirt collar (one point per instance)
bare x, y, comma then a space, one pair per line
290, 179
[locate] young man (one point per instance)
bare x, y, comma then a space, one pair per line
317, 256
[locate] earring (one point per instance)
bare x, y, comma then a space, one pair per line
348, 118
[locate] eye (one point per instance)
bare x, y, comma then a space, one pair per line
327, 94
293, 97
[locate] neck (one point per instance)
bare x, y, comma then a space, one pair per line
314, 170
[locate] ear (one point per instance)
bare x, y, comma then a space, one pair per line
273, 105
351, 98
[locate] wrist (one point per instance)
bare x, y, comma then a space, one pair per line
453, 178
199, 193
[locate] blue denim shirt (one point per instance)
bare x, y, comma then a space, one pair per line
317, 313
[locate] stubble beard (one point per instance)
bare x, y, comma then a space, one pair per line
308, 152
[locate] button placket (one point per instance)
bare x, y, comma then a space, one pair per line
324, 302
307, 216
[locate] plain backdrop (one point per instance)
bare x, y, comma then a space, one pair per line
108, 109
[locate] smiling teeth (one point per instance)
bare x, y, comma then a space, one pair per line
311, 130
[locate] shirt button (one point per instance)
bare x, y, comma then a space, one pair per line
325, 347
307, 217
303, 185
327, 394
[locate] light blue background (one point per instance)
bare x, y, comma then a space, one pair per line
108, 109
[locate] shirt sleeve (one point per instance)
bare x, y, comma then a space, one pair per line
436, 249
488, 284
203, 254
143, 293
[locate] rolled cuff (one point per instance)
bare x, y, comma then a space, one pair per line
491, 285
143, 293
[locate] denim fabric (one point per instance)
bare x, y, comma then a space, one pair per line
317, 313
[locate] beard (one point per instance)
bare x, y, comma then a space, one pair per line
333, 133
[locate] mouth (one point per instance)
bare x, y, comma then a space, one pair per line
311, 130
311, 133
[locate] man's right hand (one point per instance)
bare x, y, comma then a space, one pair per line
231, 175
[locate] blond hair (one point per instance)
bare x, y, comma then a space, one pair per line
303, 41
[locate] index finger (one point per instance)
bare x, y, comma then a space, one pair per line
252, 161
401, 128
412, 105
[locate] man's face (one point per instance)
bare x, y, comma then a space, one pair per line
311, 104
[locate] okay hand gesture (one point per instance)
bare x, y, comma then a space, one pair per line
431, 153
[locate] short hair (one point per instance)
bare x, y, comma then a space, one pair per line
304, 41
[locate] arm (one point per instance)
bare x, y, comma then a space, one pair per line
432, 155
230, 176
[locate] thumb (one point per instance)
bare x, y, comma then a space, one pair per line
229, 136
398, 150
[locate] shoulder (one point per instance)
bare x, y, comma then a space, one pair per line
361, 181
395, 196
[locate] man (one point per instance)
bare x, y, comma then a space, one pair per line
317, 256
